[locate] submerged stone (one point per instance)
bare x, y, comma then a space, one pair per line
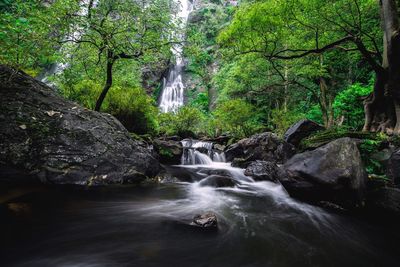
207, 221
217, 181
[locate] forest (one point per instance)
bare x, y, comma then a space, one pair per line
268, 129
250, 67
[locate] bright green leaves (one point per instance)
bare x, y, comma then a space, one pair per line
349, 105
186, 122
29, 31
237, 118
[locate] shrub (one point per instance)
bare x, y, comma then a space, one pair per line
282, 119
136, 111
185, 122
348, 104
236, 117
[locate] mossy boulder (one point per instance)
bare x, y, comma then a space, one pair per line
57, 141
169, 151
333, 173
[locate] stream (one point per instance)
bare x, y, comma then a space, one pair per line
147, 225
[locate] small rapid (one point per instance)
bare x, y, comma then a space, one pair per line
202, 161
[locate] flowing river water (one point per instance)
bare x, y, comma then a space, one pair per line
259, 224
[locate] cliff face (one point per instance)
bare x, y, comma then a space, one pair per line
59, 142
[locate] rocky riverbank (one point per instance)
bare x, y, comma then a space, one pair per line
49, 139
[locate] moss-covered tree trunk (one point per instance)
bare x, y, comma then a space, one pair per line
382, 107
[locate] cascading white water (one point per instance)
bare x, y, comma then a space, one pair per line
203, 161
172, 95
193, 153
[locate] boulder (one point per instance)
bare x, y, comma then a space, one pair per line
57, 141
206, 221
262, 170
333, 172
234, 151
217, 181
265, 146
301, 130
169, 151
240, 163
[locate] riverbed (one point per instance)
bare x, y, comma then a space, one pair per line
148, 225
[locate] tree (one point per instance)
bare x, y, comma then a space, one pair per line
292, 30
27, 32
382, 107
122, 29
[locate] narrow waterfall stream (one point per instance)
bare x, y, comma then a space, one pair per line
172, 96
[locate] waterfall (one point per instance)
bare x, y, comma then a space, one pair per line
172, 95
200, 153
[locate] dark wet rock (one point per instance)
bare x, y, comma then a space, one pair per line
301, 130
203, 150
207, 221
60, 142
265, 146
219, 148
333, 172
182, 174
330, 206
169, 151
385, 201
221, 140
393, 167
217, 181
262, 170
240, 163
234, 151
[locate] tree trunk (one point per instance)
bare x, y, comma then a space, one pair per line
286, 89
382, 107
108, 84
326, 104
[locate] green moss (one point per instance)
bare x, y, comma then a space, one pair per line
166, 152
323, 137
370, 144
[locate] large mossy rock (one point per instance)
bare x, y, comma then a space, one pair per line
170, 151
301, 130
265, 146
60, 142
333, 172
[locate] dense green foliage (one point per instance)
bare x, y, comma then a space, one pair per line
256, 66
25, 30
348, 104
